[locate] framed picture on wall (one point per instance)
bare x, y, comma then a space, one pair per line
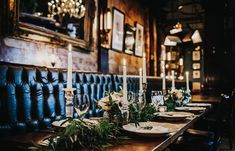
118, 30
196, 55
139, 39
196, 74
129, 39
196, 66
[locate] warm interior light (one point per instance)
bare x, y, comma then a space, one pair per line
180, 7
168, 56
171, 40
176, 29
101, 21
196, 38
167, 42
181, 61
107, 20
187, 38
198, 48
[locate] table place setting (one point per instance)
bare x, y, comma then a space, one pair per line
190, 109
65, 122
175, 116
199, 104
152, 129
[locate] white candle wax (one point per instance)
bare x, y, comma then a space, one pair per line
163, 48
181, 61
187, 80
144, 68
169, 56
173, 80
163, 75
70, 68
124, 82
141, 82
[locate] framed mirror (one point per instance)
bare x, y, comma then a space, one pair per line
55, 21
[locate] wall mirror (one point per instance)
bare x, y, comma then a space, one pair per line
60, 21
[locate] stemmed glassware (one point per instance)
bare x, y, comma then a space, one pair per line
157, 98
81, 104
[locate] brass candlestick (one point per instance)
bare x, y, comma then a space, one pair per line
69, 101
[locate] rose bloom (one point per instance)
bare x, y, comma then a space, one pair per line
179, 95
116, 97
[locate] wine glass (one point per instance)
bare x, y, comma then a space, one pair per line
123, 106
157, 98
81, 104
137, 100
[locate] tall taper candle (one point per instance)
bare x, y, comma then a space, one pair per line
141, 82
187, 80
163, 48
70, 68
163, 75
124, 81
144, 68
173, 79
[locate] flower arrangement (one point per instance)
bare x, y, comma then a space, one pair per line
177, 97
111, 98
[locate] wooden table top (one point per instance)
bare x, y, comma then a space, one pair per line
135, 143
158, 144
205, 99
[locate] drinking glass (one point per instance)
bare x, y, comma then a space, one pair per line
157, 98
81, 104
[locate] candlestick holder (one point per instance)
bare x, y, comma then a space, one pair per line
143, 94
164, 92
69, 101
144, 87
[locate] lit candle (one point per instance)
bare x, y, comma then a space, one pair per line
124, 82
163, 48
173, 79
108, 20
141, 82
144, 68
70, 68
169, 56
187, 80
181, 61
163, 75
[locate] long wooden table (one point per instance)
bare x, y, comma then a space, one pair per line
134, 143
205, 99
156, 144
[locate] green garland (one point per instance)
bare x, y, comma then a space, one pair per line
137, 114
83, 135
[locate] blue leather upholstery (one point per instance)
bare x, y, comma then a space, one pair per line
32, 97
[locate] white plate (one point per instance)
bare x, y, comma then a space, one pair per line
175, 115
199, 104
62, 123
190, 109
152, 129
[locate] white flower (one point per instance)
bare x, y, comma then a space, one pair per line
105, 102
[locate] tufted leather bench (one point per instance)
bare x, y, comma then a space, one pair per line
31, 97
